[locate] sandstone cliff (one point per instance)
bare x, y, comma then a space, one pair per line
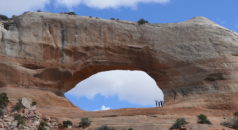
53, 52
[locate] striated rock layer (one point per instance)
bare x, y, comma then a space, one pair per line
53, 52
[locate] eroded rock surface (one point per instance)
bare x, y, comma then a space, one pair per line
53, 52
26, 117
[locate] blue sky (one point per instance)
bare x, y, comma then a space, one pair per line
116, 89
223, 12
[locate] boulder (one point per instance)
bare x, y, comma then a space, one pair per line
26, 102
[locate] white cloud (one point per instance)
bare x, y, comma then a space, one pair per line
102, 4
16, 7
105, 108
133, 86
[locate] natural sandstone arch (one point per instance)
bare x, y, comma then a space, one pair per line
56, 51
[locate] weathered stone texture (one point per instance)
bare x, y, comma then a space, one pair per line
56, 51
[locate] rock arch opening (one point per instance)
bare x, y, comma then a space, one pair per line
116, 89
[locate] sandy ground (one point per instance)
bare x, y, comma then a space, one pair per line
145, 118
52, 105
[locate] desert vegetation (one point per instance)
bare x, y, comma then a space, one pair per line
3, 17
67, 124
180, 122
114, 19
3, 103
233, 122
3, 100
34, 103
69, 13
1, 112
42, 125
84, 123
20, 120
202, 119
142, 21
105, 127
18, 106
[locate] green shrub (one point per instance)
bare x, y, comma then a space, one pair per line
130, 129
34, 103
19, 119
179, 123
42, 126
105, 127
142, 21
18, 106
232, 123
85, 122
1, 112
7, 25
117, 19
67, 123
3, 17
235, 124
69, 13
202, 119
236, 114
3, 100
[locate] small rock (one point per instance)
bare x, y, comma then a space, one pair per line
47, 128
33, 107
26, 102
183, 128
69, 127
14, 123
46, 118
26, 111
1, 125
36, 122
7, 120
48, 124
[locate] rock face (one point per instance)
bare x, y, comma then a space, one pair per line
53, 52
25, 118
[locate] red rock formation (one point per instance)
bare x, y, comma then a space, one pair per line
53, 52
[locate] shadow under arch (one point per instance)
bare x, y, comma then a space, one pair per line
116, 89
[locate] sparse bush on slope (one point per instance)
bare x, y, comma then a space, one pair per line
42, 126
3, 17
85, 122
18, 106
105, 127
67, 123
3, 100
232, 123
202, 119
180, 122
142, 21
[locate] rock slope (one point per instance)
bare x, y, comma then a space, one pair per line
26, 117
